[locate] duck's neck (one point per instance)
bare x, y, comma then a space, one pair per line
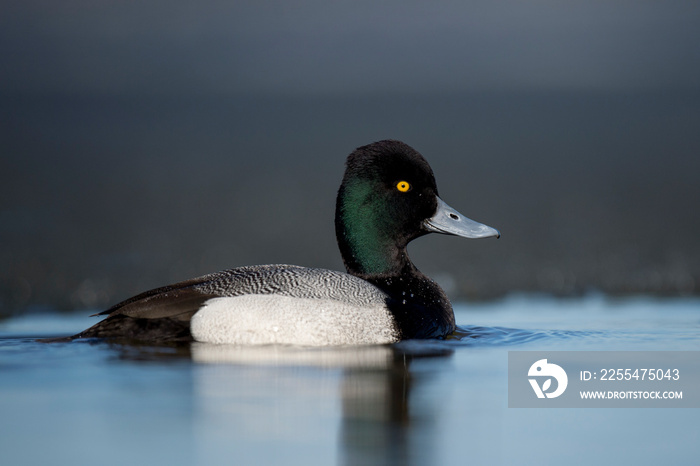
367, 255
366, 239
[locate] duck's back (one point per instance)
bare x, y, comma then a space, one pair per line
293, 281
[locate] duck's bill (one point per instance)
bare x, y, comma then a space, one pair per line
450, 222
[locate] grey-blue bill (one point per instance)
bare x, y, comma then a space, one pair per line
450, 222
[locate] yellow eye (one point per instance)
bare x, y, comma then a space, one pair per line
403, 186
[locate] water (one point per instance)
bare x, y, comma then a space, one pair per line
417, 402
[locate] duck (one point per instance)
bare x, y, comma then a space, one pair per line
387, 198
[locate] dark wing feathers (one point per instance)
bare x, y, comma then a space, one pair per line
156, 316
121, 328
154, 299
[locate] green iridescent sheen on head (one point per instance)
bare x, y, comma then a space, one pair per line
365, 227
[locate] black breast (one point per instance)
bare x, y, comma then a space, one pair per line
420, 307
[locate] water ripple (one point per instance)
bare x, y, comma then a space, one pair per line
499, 336
474, 335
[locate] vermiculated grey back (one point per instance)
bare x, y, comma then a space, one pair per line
293, 281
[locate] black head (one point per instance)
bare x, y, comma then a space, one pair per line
389, 197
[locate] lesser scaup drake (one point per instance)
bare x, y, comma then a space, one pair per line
387, 198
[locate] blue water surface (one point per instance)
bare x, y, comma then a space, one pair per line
416, 402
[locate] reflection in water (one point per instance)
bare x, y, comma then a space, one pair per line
366, 357
376, 420
377, 426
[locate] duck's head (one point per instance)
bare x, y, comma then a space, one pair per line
389, 197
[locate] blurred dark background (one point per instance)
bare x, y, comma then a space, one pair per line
143, 143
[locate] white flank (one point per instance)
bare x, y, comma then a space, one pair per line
266, 319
